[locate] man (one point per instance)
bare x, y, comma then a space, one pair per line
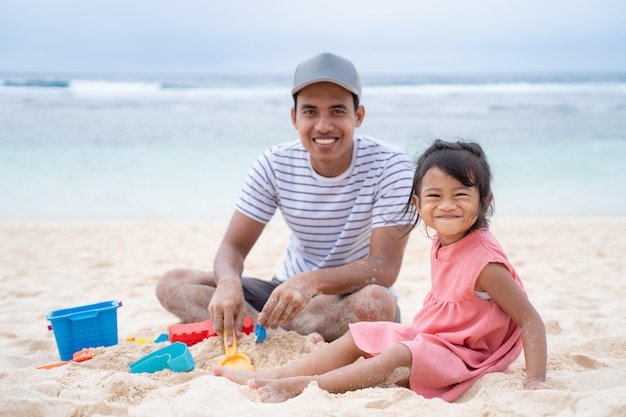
341, 195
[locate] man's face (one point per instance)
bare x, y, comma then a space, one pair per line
326, 119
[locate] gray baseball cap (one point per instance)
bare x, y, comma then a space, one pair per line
327, 67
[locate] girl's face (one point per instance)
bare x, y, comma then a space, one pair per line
446, 205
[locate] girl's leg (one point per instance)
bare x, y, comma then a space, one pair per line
334, 355
362, 374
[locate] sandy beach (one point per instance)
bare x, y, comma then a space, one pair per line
573, 270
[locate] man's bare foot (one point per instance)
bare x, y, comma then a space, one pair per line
279, 390
240, 376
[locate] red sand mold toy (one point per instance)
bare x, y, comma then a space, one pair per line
192, 333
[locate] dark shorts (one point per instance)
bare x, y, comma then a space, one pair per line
256, 292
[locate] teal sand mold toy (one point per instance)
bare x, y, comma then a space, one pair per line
175, 357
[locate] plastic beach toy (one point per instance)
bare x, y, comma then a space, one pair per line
192, 333
233, 359
80, 356
259, 331
175, 357
86, 326
158, 338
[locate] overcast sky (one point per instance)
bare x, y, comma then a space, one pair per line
272, 36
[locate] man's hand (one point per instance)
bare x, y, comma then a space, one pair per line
286, 302
227, 307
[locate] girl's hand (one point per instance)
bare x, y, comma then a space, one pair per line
532, 384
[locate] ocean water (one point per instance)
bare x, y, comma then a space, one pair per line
78, 148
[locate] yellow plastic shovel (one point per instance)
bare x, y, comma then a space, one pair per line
234, 359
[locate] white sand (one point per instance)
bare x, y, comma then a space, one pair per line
573, 270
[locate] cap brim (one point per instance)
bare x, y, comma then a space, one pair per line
300, 86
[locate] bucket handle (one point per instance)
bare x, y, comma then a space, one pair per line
85, 315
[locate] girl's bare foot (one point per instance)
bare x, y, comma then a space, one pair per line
279, 390
315, 338
240, 376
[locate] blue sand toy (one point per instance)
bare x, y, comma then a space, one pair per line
175, 357
259, 331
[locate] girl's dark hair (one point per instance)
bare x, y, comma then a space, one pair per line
464, 161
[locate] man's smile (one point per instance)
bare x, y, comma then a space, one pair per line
324, 141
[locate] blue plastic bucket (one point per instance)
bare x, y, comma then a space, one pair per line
86, 326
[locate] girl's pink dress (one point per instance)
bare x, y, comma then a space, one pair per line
456, 337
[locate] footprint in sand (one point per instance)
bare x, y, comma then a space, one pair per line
587, 362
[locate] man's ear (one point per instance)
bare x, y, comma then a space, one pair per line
360, 115
293, 117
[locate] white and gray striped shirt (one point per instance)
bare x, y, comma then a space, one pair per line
331, 219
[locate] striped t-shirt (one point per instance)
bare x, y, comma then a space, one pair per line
331, 219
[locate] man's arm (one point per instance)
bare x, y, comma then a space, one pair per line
228, 307
381, 267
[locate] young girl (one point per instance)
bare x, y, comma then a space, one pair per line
474, 320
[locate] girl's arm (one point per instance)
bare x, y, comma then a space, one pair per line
496, 281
